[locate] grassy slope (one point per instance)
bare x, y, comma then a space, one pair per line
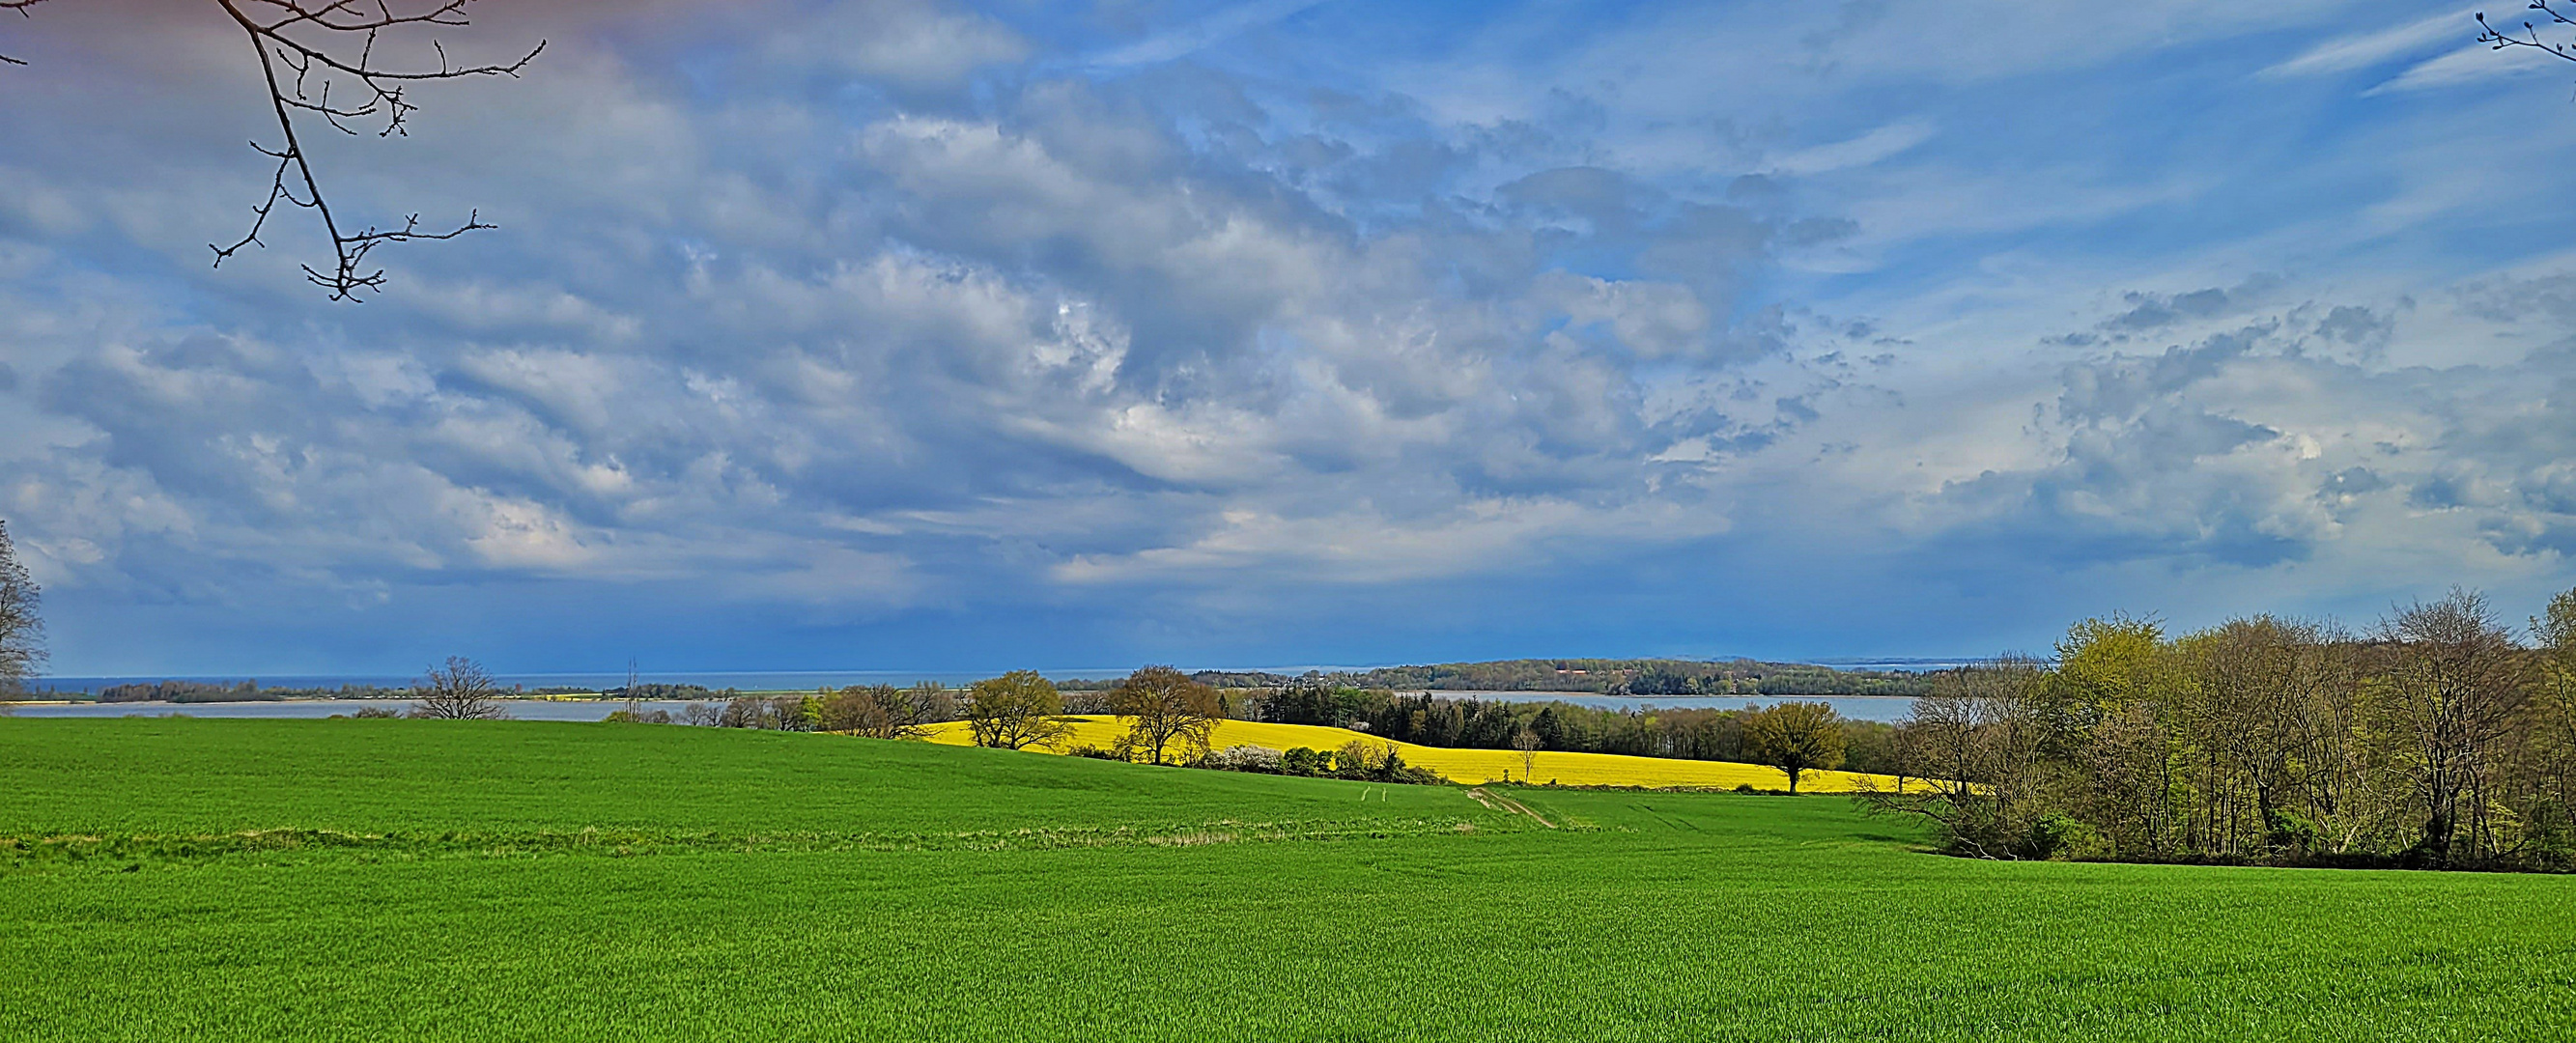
1477, 766
1680, 916
179, 774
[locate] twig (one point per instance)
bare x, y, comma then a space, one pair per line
300, 73
2498, 39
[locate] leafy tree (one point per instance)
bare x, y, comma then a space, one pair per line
1304, 760
1795, 738
459, 691
1163, 707
1015, 711
22, 626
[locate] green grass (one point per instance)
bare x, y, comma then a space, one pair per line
811, 887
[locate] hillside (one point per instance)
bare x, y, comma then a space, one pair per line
1480, 766
777, 886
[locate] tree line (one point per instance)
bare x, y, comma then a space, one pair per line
2438, 738
1630, 677
1425, 719
1170, 717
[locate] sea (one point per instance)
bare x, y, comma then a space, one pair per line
78, 690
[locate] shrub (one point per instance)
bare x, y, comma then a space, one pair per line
2064, 836
1260, 759
1305, 761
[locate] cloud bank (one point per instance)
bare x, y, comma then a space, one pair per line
912, 335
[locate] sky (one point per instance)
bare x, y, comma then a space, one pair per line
935, 336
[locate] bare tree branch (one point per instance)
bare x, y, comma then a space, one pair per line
308, 50
2499, 39
21, 7
300, 72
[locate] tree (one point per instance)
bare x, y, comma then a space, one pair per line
1527, 741
307, 49
22, 625
877, 711
1015, 711
1162, 706
460, 691
1975, 740
2551, 730
2457, 685
1795, 738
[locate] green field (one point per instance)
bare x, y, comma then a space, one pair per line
263, 880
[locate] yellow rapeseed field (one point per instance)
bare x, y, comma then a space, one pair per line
1476, 766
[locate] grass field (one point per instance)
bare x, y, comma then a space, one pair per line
790, 887
1477, 766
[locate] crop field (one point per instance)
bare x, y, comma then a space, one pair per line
166, 879
1477, 766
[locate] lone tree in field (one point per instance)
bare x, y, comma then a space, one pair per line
459, 691
1163, 707
326, 68
1015, 711
22, 628
1527, 742
1796, 738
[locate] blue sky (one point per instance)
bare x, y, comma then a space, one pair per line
915, 335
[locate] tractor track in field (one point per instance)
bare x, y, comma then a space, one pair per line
1498, 802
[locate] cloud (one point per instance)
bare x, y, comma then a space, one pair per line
904, 323
2469, 64
1200, 35
1862, 151
2359, 51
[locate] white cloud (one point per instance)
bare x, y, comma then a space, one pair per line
1013, 340
1207, 32
2347, 53
2471, 64
1862, 151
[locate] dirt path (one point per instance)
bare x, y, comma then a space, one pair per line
1498, 802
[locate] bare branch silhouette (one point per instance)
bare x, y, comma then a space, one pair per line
21, 7
308, 49
2500, 39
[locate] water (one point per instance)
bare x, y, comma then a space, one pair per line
1888, 708
743, 680
1856, 707
520, 709
809, 680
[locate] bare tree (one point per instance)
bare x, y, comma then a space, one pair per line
320, 61
1796, 738
2457, 685
1977, 740
880, 711
459, 691
22, 626
1163, 707
1015, 711
1528, 743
